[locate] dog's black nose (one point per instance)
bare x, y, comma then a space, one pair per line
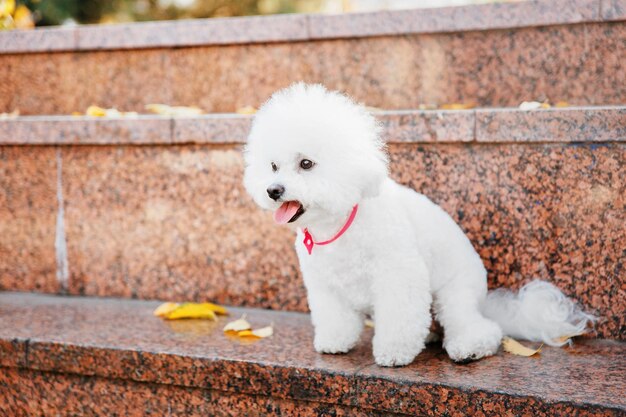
275, 191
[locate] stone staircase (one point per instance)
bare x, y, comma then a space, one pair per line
152, 207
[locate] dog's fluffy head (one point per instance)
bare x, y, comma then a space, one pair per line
314, 151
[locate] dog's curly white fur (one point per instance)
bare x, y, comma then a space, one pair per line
402, 255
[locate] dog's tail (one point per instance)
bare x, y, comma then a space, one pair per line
539, 312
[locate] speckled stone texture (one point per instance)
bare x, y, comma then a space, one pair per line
597, 124
27, 393
62, 83
295, 27
187, 33
579, 63
67, 130
173, 222
155, 364
543, 211
449, 19
28, 214
151, 222
49, 39
574, 124
614, 9
222, 128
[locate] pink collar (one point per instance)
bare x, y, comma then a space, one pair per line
308, 239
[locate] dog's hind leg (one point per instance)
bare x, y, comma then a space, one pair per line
468, 335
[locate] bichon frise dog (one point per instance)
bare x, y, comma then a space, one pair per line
369, 246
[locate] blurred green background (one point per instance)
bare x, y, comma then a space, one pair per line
26, 13
58, 12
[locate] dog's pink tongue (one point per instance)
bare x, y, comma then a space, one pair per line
285, 212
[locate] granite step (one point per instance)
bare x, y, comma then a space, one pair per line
154, 207
491, 55
98, 356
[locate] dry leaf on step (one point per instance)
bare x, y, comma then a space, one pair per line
192, 311
218, 309
7, 7
23, 18
165, 309
96, 111
533, 105
174, 311
246, 110
457, 106
260, 333
516, 348
238, 325
565, 339
165, 110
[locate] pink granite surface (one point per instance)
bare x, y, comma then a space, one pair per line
599, 124
573, 124
453, 19
173, 222
577, 63
28, 216
117, 347
27, 393
150, 222
296, 27
613, 9
68, 130
545, 211
40, 40
224, 31
218, 128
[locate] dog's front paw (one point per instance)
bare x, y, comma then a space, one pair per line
391, 353
325, 343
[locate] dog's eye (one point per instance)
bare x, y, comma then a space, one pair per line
306, 164
274, 167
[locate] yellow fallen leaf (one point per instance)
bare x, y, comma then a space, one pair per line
427, 107
96, 111
217, 309
260, 333
516, 348
561, 104
246, 110
457, 106
192, 311
165, 110
369, 323
545, 106
7, 7
238, 325
565, 339
165, 309
23, 18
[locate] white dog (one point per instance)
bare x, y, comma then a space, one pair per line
369, 246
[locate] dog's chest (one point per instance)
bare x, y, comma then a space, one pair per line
347, 273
